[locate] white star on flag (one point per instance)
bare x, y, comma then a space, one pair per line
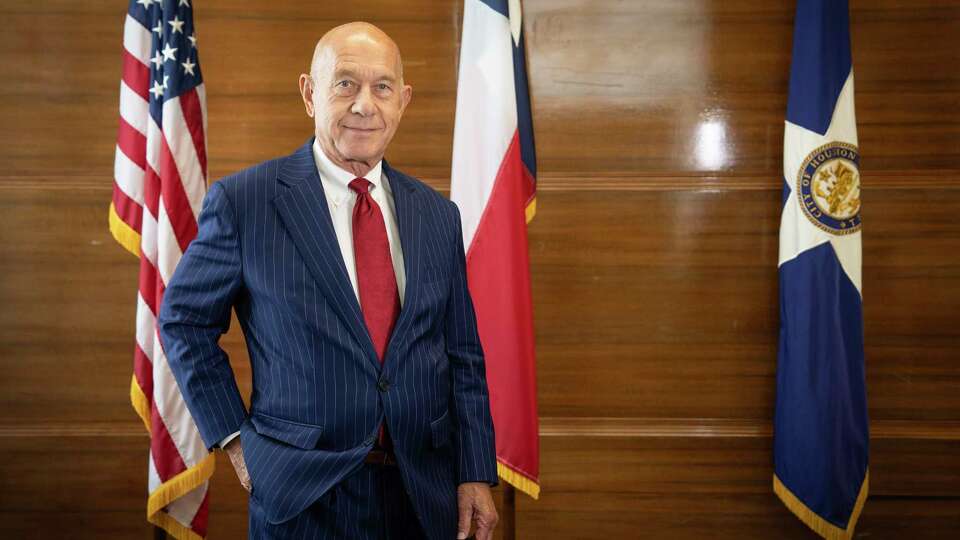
188, 67
157, 89
169, 53
158, 28
193, 40
184, 3
157, 59
177, 24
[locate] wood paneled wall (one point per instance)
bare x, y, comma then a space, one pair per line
659, 135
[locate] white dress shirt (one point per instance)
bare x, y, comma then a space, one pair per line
341, 200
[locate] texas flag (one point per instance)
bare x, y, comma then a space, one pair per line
821, 432
493, 183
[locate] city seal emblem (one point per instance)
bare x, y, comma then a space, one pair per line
828, 188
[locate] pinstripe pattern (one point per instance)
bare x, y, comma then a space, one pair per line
266, 247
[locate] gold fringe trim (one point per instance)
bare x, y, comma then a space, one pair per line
518, 480
123, 233
819, 525
140, 402
176, 487
173, 489
174, 527
531, 209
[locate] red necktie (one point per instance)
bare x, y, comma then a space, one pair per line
376, 279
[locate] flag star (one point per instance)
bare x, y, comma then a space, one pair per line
188, 67
193, 40
145, 3
169, 53
157, 89
184, 3
177, 24
158, 28
157, 59
165, 77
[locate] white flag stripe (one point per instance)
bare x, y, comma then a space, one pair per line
173, 411
137, 40
168, 248
153, 477
798, 234
133, 109
184, 154
145, 331
148, 236
486, 111
128, 176
185, 508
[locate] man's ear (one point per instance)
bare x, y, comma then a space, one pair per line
406, 94
306, 92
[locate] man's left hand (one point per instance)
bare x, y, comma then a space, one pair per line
475, 503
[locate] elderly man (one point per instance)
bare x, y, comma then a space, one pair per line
369, 415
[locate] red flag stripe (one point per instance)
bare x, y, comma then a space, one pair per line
132, 143
166, 456
178, 208
129, 211
136, 75
193, 115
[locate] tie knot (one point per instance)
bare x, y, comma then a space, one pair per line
360, 185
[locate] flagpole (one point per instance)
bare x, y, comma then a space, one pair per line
509, 513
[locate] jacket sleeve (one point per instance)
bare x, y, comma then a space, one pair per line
196, 312
474, 443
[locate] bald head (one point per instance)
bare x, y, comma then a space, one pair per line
355, 34
356, 95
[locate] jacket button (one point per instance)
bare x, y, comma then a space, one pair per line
383, 384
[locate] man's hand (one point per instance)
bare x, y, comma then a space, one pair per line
475, 503
235, 452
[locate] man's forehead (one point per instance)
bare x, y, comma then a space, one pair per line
349, 65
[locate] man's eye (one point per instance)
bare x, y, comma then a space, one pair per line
343, 84
383, 86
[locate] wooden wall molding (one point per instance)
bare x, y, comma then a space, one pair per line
946, 179
565, 427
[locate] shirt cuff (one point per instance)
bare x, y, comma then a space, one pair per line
228, 438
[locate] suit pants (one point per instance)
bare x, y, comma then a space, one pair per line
370, 504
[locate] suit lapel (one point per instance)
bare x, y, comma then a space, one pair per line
303, 209
405, 202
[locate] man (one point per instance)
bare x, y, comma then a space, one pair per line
369, 416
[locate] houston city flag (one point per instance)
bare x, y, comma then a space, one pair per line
493, 183
821, 433
160, 172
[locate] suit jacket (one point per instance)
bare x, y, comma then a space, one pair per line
266, 247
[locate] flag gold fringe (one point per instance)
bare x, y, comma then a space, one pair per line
531, 209
172, 490
811, 519
140, 402
122, 233
518, 480
178, 530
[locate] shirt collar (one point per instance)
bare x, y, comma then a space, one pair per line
336, 180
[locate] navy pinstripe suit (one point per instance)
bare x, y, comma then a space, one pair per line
266, 247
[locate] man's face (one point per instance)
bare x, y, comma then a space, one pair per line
357, 98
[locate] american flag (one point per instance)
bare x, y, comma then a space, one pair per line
160, 177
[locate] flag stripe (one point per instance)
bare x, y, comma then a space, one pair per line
132, 143
136, 76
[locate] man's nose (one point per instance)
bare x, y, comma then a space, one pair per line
363, 104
